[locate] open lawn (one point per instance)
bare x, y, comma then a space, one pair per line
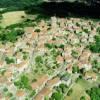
10, 18
78, 91
85, 84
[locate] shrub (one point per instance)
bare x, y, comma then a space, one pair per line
95, 47
96, 64
9, 60
57, 96
69, 92
23, 82
82, 98
37, 30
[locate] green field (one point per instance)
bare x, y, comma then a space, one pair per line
10, 18
78, 91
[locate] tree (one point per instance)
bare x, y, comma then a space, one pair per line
94, 93
57, 96
75, 69
96, 64
23, 82
82, 98
74, 54
9, 60
95, 47
11, 35
70, 92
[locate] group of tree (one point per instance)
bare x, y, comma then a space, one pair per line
20, 4
59, 93
94, 93
11, 36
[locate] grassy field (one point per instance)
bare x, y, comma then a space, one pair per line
78, 91
10, 18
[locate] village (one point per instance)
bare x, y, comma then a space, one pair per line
48, 60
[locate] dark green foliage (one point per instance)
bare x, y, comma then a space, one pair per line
60, 91
9, 94
25, 55
62, 88
19, 32
20, 4
46, 98
55, 53
75, 69
49, 46
40, 16
74, 54
94, 93
64, 76
5, 89
98, 30
96, 64
54, 46
95, 47
22, 25
23, 82
61, 46
34, 80
82, 70
39, 59
18, 25
38, 62
77, 24
37, 30
9, 60
57, 96
82, 98
11, 36
69, 92
1, 17
32, 93
86, 30
2, 71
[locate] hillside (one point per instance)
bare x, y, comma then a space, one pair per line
17, 4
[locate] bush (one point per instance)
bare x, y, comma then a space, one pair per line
9, 60
75, 69
57, 96
96, 64
74, 54
23, 82
1, 17
37, 30
69, 92
82, 98
95, 47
